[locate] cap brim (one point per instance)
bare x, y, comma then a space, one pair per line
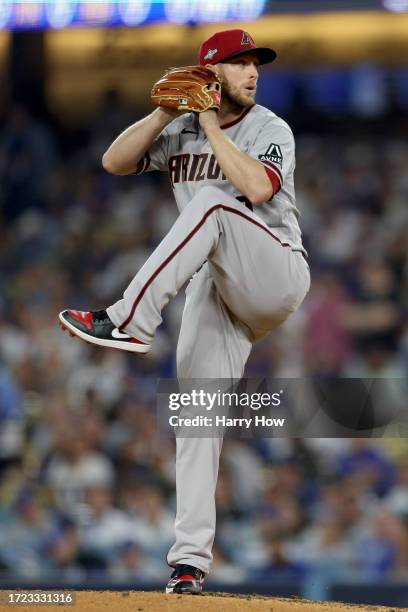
264, 54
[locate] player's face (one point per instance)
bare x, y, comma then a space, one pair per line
239, 79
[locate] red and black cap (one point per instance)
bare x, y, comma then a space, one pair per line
230, 43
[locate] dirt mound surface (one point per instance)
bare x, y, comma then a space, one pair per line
141, 601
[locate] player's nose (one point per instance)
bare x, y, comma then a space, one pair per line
252, 71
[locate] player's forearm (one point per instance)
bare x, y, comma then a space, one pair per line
246, 174
129, 147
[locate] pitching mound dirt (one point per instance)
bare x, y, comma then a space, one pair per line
140, 601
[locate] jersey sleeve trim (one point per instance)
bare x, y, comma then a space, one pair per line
143, 164
272, 166
274, 176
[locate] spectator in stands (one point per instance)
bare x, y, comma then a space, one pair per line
73, 467
103, 529
369, 464
12, 419
384, 549
24, 536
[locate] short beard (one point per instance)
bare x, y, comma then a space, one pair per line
232, 101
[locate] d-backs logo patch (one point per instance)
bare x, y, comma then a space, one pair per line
272, 154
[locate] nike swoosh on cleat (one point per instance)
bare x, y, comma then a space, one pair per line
184, 131
118, 335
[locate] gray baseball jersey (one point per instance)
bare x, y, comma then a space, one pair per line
183, 150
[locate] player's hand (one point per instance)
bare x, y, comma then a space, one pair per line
170, 113
208, 118
214, 69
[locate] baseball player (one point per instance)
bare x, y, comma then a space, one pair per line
236, 240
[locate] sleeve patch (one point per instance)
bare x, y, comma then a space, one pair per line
272, 154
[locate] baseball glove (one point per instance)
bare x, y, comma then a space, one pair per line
190, 88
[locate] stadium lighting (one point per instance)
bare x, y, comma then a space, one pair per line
396, 6
65, 13
60, 14
134, 12
199, 11
5, 12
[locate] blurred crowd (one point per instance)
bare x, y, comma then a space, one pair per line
86, 485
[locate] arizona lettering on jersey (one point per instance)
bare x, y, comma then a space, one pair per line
183, 150
194, 167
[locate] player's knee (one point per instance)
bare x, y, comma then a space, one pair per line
276, 310
267, 319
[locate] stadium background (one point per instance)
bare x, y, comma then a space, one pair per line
86, 489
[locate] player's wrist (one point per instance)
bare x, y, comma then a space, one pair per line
165, 115
209, 120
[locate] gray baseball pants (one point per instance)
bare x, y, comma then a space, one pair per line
247, 283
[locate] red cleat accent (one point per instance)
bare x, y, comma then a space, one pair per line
186, 577
84, 317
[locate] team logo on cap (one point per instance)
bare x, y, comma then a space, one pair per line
246, 39
210, 54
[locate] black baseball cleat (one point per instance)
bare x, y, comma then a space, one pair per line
96, 328
186, 579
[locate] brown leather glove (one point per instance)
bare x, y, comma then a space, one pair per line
189, 88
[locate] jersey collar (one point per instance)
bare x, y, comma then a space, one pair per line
238, 119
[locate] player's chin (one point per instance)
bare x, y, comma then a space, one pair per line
248, 97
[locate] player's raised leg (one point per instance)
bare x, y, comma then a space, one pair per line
131, 322
258, 276
212, 344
